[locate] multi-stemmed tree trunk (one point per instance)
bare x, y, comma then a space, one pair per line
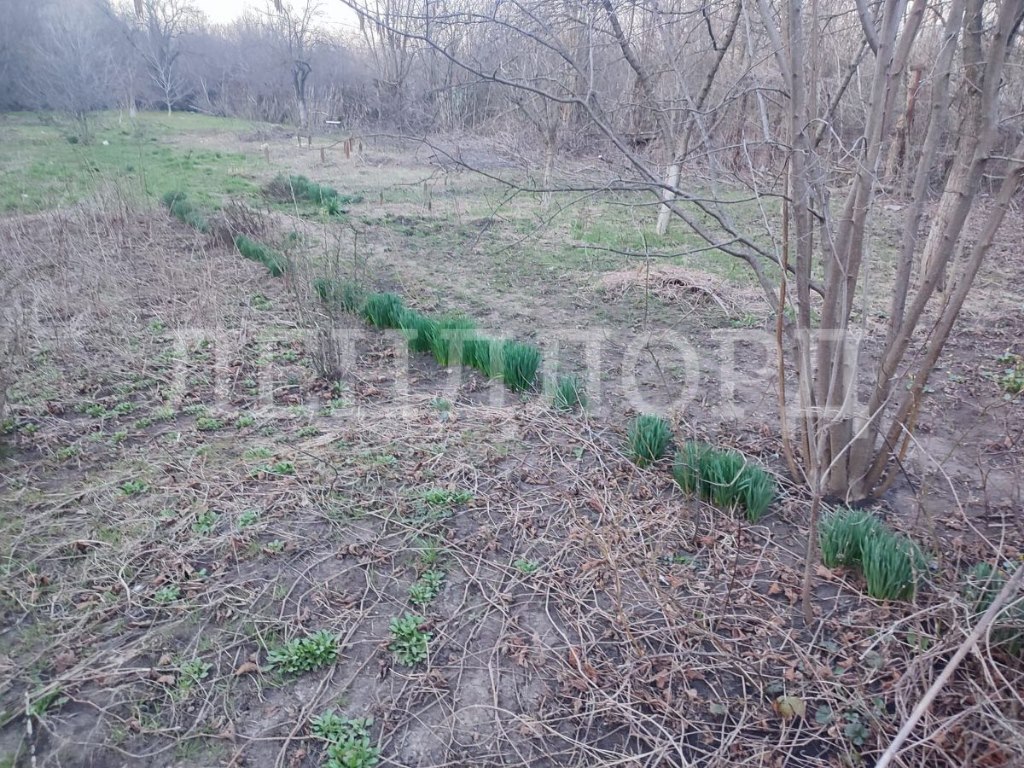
854, 410
849, 443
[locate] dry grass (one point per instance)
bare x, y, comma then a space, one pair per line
590, 614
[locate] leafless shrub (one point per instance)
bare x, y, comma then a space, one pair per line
237, 218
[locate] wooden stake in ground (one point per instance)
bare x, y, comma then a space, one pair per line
982, 626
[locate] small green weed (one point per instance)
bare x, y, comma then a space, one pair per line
260, 303
526, 567
96, 410
519, 365
648, 438
569, 394
383, 310
191, 674
305, 654
134, 487
248, 519
725, 478
284, 468
1011, 380
167, 594
426, 587
206, 522
245, 420
410, 642
208, 424
259, 452
442, 497
68, 452
348, 741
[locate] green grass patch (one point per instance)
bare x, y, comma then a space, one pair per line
648, 438
725, 478
275, 262
43, 170
383, 310
298, 187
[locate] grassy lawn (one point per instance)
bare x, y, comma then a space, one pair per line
46, 165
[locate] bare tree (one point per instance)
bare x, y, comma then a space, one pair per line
161, 25
295, 32
73, 61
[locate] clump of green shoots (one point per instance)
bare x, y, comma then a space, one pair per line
342, 294
842, 535
569, 393
519, 365
648, 438
891, 564
409, 640
348, 741
725, 478
448, 338
383, 310
418, 329
179, 206
253, 250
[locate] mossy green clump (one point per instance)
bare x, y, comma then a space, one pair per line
725, 478
275, 262
648, 438
383, 310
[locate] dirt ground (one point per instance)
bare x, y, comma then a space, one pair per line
182, 494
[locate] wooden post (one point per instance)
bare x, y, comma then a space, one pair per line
266, 152
323, 155
348, 148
